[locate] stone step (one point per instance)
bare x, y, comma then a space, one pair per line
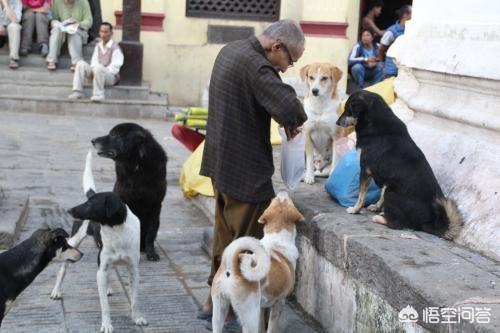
36, 74
13, 215
109, 108
62, 90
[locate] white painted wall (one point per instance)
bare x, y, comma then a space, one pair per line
449, 60
453, 36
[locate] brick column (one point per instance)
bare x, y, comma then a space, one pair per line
131, 46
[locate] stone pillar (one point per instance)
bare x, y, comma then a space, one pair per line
131, 46
449, 77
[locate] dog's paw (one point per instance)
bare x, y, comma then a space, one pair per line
140, 321
109, 292
152, 256
379, 219
374, 208
56, 294
309, 179
352, 210
106, 328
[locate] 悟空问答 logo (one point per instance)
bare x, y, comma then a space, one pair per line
408, 315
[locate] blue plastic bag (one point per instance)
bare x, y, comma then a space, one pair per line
343, 183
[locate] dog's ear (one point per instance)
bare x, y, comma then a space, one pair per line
336, 76
266, 216
297, 216
303, 73
58, 234
336, 73
113, 204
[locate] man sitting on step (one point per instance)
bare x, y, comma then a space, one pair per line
10, 16
104, 67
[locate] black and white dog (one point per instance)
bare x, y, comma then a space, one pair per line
141, 171
20, 265
119, 238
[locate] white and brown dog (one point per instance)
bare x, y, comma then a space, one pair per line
321, 105
257, 274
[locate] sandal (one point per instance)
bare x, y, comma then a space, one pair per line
72, 68
51, 66
13, 64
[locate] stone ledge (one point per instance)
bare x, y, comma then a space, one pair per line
361, 274
355, 276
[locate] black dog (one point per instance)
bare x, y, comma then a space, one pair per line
141, 170
412, 197
20, 265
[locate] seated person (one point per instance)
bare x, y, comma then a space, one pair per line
393, 32
10, 16
36, 17
68, 12
363, 65
368, 21
104, 68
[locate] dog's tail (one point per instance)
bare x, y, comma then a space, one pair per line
247, 258
88, 177
449, 215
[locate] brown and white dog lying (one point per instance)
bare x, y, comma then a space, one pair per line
257, 274
321, 105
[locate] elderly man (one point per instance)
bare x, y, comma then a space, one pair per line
245, 92
10, 16
64, 13
104, 67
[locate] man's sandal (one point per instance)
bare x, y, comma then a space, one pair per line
51, 66
13, 64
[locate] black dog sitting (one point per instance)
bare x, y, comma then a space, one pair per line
411, 195
20, 265
141, 171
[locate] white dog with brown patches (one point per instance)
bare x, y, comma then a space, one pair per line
321, 105
257, 274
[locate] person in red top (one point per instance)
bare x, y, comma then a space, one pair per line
36, 17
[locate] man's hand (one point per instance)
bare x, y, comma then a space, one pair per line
292, 132
371, 62
55, 23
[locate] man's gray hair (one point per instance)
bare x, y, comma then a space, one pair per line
287, 31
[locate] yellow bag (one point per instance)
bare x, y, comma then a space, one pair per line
384, 89
192, 183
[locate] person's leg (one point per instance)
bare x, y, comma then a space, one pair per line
75, 46
233, 219
82, 71
55, 42
358, 74
28, 27
99, 80
378, 74
14, 30
42, 28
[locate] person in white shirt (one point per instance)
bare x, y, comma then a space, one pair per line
104, 68
10, 17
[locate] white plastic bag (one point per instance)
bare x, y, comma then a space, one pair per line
292, 159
